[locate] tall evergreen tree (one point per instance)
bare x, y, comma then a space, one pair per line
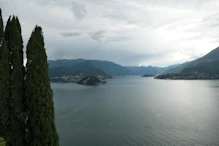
4, 81
1, 31
1, 28
20, 44
7, 29
16, 124
4, 89
41, 119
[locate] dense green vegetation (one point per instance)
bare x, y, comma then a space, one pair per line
2, 141
188, 76
4, 90
91, 80
148, 75
4, 82
39, 94
1, 27
26, 110
16, 120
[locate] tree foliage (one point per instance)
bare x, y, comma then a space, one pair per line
4, 90
1, 26
4, 81
26, 112
16, 124
40, 124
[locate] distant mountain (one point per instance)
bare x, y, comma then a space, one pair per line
86, 67
208, 64
83, 69
111, 68
60, 71
211, 67
64, 62
73, 67
142, 70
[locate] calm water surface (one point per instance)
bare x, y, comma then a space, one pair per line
136, 111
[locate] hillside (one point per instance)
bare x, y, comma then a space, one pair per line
142, 70
91, 80
108, 67
88, 69
64, 62
207, 64
111, 68
83, 69
211, 68
65, 67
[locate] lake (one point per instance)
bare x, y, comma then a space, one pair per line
137, 111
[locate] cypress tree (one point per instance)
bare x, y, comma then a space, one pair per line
16, 124
20, 44
7, 29
1, 28
4, 81
1, 31
41, 118
4, 90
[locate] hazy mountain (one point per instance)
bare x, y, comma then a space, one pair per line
210, 67
84, 68
206, 64
142, 70
111, 68
75, 66
60, 71
65, 67
64, 62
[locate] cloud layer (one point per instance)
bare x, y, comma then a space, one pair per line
128, 32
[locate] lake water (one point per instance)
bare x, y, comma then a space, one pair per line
136, 111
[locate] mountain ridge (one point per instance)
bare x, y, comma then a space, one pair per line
108, 67
64, 67
207, 64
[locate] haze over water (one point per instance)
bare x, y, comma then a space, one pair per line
138, 111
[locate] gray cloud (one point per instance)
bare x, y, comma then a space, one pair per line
122, 38
149, 32
210, 17
97, 35
69, 34
78, 10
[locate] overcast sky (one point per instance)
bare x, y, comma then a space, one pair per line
128, 32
